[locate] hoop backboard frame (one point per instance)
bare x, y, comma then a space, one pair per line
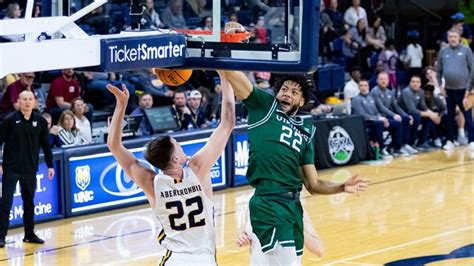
206, 51
41, 51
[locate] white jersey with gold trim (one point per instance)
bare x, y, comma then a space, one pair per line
185, 213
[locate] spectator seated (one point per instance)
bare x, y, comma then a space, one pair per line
63, 89
68, 133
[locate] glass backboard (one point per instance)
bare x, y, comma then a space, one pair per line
283, 35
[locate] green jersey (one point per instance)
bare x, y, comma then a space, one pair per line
279, 145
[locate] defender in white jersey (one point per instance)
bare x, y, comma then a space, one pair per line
181, 196
186, 214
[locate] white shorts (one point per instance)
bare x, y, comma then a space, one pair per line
184, 259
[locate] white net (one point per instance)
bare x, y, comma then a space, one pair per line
235, 32
234, 27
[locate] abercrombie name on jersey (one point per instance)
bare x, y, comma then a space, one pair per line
180, 192
97, 181
165, 50
46, 197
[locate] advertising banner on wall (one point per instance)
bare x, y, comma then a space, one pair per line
97, 181
241, 157
47, 196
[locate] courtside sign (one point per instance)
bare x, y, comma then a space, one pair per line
98, 182
47, 201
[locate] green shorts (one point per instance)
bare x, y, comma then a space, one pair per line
277, 219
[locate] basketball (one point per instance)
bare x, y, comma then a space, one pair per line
173, 77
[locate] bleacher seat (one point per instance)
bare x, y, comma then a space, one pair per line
193, 22
49, 76
160, 5
403, 78
235, 2
119, 15
88, 29
324, 78
244, 17
101, 115
336, 48
337, 77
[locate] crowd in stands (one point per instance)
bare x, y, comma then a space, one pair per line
423, 112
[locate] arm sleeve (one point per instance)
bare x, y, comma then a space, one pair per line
347, 17
187, 119
397, 107
166, 17
380, 105
81, 138
77, 92
13, 95
410, 51
439, 67
156, 91
423, 106
55, 90
407, 100
472, 79
358, 109
441, 105
259, 104
308, 156
383, 35
45, 145
469, 69
467, 31
3, 131
156, 19
382, 57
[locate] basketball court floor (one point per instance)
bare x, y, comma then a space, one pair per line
418, 208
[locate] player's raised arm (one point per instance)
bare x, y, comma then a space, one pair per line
240, 83
142, 176
205, 158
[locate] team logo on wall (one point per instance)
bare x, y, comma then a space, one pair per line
340, 145
241, 155
83, 176
116, 182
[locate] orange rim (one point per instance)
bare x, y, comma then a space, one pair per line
225, 37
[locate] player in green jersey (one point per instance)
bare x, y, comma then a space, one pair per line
281, 161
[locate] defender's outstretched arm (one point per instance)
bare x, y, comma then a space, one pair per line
141, 175
204, 159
